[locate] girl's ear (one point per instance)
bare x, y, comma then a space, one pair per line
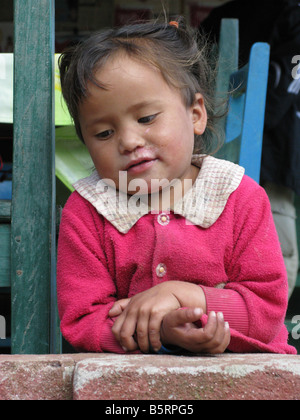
199, 114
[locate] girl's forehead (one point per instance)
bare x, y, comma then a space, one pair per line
122, 73
127, 66
130, 77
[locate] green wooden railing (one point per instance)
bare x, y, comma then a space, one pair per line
33, 203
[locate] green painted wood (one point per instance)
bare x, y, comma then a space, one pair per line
228, 50
5, 210
33, 201
4, 255
228, 53
228, 59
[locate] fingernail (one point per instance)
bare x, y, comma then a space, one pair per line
227, 325
198, 312
124, 348
220, 316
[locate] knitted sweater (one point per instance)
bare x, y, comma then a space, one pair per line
231, 251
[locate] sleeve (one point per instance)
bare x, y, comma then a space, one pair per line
85, 289
254, 301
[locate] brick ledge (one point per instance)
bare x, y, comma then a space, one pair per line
149, 377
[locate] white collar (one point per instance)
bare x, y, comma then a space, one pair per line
202, 205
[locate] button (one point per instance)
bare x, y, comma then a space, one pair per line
161, 270
163, 219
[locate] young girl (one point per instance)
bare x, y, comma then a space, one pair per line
161, 249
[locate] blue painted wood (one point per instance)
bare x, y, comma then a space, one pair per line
248, 88
254, 113
234, 123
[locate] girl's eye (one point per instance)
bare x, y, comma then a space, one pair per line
104, 135
146, 120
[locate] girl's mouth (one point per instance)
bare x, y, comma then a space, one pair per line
140, 165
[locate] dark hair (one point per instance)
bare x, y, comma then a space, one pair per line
181, 54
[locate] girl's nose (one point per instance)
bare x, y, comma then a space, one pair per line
129, 140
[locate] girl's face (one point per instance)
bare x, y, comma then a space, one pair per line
139, 125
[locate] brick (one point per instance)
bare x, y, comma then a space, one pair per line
149, 377
222, 377
36, 377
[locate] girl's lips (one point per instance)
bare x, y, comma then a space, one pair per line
141, 166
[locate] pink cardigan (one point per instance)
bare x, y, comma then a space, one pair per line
237, 261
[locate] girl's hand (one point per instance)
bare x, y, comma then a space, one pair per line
140, 317
178, 329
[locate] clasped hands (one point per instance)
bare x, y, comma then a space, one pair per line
152, 318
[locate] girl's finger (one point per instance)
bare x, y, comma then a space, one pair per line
227, 338
186, 315
124, 330
148, 330
221, 340
154, 330
219, 336
210, 328
127, 333
118, 307
201, 336
142, 332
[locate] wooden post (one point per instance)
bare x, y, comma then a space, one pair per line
33, 203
